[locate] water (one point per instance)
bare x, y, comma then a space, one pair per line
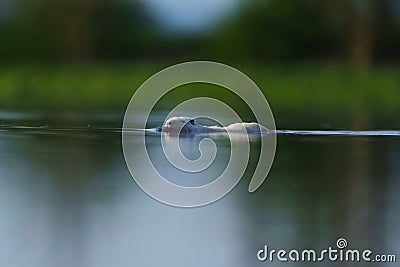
67, 199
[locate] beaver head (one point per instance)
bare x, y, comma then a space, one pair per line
182, 125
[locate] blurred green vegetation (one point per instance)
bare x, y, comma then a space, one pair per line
305, 54
293, 88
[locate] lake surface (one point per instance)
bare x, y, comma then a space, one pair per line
68, 199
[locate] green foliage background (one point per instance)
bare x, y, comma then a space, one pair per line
331, 56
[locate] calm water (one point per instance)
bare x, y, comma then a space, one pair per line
67, 199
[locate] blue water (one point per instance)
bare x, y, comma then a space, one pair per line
67, 199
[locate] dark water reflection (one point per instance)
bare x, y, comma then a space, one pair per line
67, 199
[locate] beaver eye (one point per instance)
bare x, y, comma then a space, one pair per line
191, 121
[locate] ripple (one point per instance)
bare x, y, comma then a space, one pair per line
339, 133
49, 129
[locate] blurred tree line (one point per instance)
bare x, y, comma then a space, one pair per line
358, 31
75, 30
355, 31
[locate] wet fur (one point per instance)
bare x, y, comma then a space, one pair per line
188, 125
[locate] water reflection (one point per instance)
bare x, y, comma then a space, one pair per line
188, 146
68, 200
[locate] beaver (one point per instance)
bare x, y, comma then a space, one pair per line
188, 125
